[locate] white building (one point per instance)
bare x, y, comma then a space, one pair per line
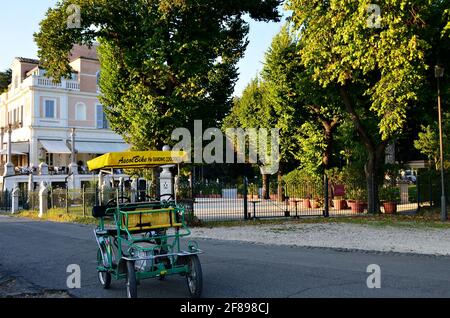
42, 114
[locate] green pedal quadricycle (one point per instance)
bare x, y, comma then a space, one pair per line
141, 240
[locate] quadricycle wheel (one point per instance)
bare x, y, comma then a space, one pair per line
102, 260
194, 276
131, 280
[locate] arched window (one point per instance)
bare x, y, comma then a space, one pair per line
80, 111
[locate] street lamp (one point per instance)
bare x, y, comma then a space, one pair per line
439, 73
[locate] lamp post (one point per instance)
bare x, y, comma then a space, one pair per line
439, 73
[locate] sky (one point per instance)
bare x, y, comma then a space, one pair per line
19, 19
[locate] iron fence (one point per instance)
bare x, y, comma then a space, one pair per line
215, 201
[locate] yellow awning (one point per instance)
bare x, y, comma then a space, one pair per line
136, 159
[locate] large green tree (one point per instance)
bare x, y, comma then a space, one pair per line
253, 110
164, 62
307, 113
428, 141
377, 68
5, 80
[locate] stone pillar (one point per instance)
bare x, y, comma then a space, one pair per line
34, 152
73, 166
43, 199
404, 193
166, 183
43, 169
122, 186
73, 182
105, 190
176, 187
9, 167
15, 199
2, 134
134, 186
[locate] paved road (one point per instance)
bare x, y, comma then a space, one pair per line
39, 253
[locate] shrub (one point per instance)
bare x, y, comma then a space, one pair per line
390, 194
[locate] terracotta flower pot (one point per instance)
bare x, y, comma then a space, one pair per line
306, 204
357, 206
340, 204
274, 197
390, 207
315, 204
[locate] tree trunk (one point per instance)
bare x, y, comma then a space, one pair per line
372, 187
265, 186
280, 189
329, 146
375, 154
374, 175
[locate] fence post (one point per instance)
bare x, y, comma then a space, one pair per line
326, 210
430, 187
15, 199
67, 200
5, 200
418, 192
43, 199
52, 204
84, 201
245, 199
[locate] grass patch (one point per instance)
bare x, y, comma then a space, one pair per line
59, 215
425, 218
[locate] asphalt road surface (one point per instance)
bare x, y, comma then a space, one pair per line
38, 253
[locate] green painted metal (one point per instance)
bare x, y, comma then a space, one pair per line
121, 243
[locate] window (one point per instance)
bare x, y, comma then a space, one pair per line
80, 111
49, 159
21, 115
98, 77
49, 108
102, 122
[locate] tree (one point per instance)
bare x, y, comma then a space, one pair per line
5, 80
428, 141
301, 104
253, 110
377, 69
164, 62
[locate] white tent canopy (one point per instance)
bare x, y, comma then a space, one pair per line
55, 146
13, 152
18, 148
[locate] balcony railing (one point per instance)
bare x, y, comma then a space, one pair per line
40, 81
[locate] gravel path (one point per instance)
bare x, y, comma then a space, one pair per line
338, 235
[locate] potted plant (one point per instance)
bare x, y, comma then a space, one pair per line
316, 203
358, 200
306, 201
390, 196
339, 203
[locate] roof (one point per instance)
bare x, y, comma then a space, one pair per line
27, 60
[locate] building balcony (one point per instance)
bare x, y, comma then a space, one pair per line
41, 81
